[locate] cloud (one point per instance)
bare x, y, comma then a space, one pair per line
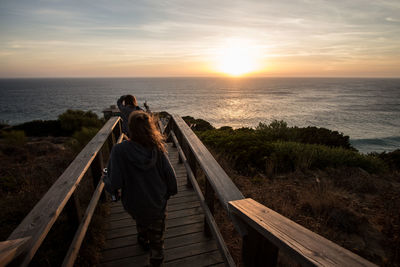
392, 19
151, 31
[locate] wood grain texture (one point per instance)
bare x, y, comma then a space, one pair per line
170, 255
41, 218
307, 247
10, 249
173, 232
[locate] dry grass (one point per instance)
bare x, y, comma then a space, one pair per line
354, 209
26, 173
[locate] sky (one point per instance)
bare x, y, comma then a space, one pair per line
146, 38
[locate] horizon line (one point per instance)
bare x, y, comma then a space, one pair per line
163, 77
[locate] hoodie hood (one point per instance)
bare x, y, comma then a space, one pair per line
140, 156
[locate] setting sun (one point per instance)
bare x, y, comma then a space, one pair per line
237, 58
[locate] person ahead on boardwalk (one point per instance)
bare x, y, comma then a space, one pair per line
127, 104
140, 168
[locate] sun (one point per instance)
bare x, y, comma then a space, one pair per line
237, 58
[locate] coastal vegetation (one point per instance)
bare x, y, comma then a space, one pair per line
311, 175
316, 178
277, 148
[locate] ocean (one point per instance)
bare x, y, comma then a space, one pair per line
367, 110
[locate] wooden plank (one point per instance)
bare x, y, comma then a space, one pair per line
223, 186
170, 254
212, 258
10, 249
307, 247
135, 249
179, 200
184, 205
171, 206
172, 232
131, 229
41, 218
184, 194
171, 214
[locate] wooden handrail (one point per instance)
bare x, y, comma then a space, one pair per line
307, 247
73, 250
10, 249
41, 218
223, 186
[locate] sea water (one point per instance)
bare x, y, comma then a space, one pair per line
368, 110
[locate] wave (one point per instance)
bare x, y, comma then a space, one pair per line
368, 145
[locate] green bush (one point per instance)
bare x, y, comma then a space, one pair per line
249, 151
67, 124
73, 120
16, 138
391, 158
198, 124
279, 131
42, 128
82, 137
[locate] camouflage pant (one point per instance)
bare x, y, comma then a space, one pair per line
153, 231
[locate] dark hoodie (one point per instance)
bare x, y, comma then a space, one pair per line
145, 176
125, 112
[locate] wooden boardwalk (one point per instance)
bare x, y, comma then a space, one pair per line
185, 242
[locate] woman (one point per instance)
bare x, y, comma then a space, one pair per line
140, 168
127, 104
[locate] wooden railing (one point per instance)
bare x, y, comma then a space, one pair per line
264, 232
62, 194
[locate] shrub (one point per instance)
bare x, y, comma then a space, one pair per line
82, 137
391, 158
248, 151
198, 124
226, 128
16, 138
279, 131
42, 128
73, 120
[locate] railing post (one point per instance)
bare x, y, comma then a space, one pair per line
119, 128
97, 171
191, 160
73, 209
257, 250
178, 134
111, 141
209, 199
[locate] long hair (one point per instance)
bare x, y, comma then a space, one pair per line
143, 130
130, 100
